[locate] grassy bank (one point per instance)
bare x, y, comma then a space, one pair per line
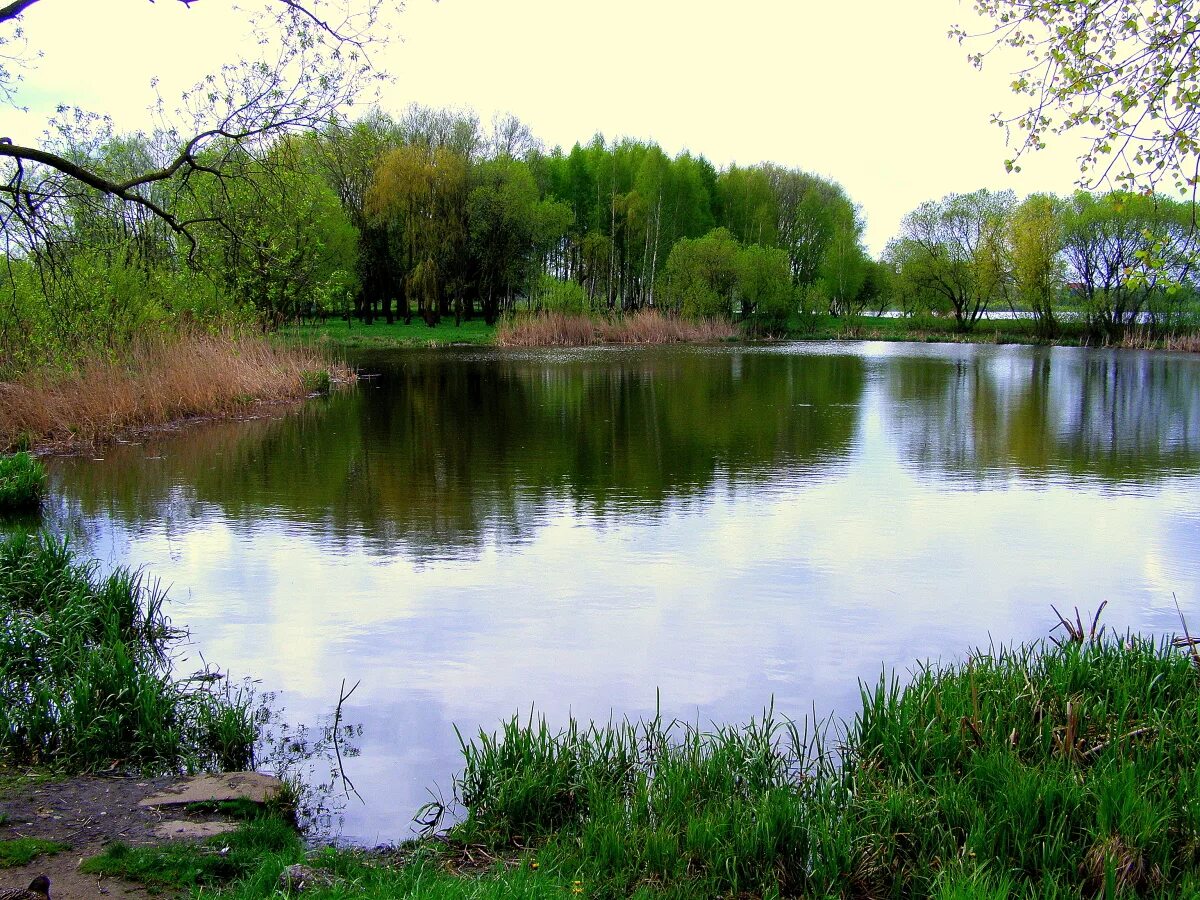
354, 335
86, 681
154, 383
987, 331
1038, 771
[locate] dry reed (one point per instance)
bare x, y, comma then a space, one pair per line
1146, 339
646, 326
157, 382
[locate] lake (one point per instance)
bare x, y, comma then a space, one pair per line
599, 532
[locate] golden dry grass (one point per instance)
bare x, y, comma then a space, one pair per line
1145, 339
157, 382
646, 326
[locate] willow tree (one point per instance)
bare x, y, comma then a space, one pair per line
945, 253
1038, 270
420, 194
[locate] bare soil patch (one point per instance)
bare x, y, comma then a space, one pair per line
86, 813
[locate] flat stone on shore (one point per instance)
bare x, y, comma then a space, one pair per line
253, 786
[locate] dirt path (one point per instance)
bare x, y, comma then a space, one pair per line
86, 813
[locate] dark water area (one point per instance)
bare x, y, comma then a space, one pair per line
594, 532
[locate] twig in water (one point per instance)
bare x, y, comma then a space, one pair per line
343, 696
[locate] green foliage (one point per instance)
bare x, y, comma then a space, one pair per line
1038, 272
1032, 771
316, 382
22, 482
85, 676
949, 256
557, 295
700, 275
1129, 254
764, 288
22, 851
1125, 74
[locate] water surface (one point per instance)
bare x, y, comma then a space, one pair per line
588, 531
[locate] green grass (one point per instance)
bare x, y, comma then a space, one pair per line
85, 672
1039, 771
22, 851
1034, 772
22, 482
355, 335
217, 860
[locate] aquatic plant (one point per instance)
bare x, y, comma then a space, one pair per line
22, 481
86, 680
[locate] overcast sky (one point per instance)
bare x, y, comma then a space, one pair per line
871, 93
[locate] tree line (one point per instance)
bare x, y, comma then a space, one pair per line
431, 215
427, 215
1111, 260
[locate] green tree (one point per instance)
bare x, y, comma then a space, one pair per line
844, 264
946, 254
701, 275
285, 242
1126, 254
764, 287
1038, 270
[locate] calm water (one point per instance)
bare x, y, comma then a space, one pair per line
475, 532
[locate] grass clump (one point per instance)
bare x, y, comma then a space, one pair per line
157, 380
645, 326
217, 860
22, 481
1037, 771
316, 381
22, 851
86, 677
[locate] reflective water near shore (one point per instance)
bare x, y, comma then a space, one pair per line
593, 531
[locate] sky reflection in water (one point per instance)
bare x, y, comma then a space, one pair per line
475, 532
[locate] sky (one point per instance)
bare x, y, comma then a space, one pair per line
870, 93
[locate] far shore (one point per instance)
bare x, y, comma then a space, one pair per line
574, 330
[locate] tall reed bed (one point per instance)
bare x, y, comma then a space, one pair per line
157, 381
22, 481
1042, 770
86, 677
646, 326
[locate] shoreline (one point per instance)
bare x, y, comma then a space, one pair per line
977, 718
341, 337
160, 386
